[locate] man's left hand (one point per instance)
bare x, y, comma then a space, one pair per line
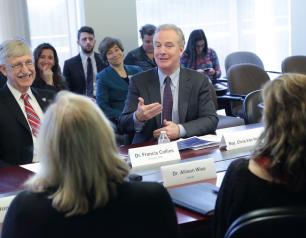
172, 130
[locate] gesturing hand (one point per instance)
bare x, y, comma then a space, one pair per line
146, 112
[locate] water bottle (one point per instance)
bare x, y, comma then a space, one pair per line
163, 138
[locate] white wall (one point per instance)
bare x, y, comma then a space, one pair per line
114, 18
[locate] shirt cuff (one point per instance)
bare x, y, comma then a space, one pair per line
183, 132
138, 125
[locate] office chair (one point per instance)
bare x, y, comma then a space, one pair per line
242, 57
294, 64
224, 121
277, 222
252, 107
243, 79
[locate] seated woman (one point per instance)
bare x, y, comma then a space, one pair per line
275, 176
200, 57
113, 81
80, 189
48, 72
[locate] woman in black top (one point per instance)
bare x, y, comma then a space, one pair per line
48, 71
276, 174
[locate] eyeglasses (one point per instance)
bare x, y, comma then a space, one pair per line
20, 65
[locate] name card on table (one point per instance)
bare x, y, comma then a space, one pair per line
240, 139
4, 204
188, 172
154, 155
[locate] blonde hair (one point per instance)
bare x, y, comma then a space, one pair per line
284, 138
79, 159
13, 48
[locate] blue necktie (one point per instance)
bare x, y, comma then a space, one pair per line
89, 78
167, 100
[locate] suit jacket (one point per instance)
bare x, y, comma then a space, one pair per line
196, 109
112, 90
140, 209
75, 75
2, 80
16, 144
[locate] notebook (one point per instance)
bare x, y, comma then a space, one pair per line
200, 197
195, 143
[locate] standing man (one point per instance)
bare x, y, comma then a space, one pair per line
21, 106
168, 98
80, 71
143, 56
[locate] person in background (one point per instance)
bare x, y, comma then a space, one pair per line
80, 189
168, 98
113, 81
80, 71
21, 106
143, 56
275, 175
200, 57
48, 71
2, 79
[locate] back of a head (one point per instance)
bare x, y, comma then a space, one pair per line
13, 48
283, 139
78, 154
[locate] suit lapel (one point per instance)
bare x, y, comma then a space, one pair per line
42, 101
13, 107
185, 88
153, 89
79, 66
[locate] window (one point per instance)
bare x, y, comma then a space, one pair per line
262, 27
55, 22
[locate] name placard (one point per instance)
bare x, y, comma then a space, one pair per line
154, 155
188, 172
4, 204
240, 139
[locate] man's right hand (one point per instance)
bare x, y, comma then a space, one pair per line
146, 112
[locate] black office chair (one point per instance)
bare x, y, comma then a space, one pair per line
242, 57
279, 222
253, 107
294, 64
224, 121
242, 79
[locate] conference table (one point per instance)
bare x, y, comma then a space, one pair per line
192, 224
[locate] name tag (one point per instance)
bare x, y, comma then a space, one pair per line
4, 204
154, 155
240, 139
188, 172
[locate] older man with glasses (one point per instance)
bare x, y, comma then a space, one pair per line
21, 107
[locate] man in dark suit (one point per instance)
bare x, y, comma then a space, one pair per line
2, 80
187, 109
76, 69
17, 133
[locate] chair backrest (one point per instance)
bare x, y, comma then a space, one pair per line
252, 107
243, 79
270, 222
242, 57
294, 64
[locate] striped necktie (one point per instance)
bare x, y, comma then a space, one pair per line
33, 118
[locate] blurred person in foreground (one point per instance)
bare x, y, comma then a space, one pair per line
80, 189
275, 175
